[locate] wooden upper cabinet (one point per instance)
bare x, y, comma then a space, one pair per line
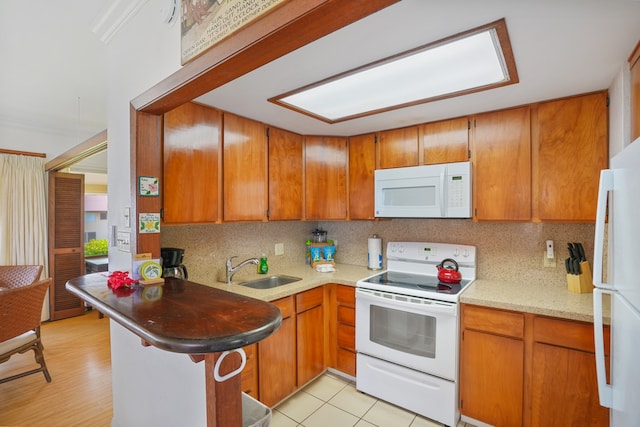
446, 141
634, 67
244, 169
191, 164
325, 177
398, 147
285, 175
570, 150
501, 156
362, 164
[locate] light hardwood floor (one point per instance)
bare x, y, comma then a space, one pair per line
78, 356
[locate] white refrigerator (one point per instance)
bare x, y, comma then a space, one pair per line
620, 192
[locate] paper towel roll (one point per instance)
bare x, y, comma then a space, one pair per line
375, 252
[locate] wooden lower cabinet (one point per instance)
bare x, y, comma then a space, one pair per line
310, 334
520, 369
493, 378
492, 366
277, 357
317, 331
564, 389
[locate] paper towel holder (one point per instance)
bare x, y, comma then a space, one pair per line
374, 252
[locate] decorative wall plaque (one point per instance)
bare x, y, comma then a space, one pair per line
149, 223
148, 186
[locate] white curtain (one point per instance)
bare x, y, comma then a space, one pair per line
23, 211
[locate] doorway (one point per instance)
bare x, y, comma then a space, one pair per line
75, 174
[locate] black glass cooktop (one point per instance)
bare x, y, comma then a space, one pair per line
396, 279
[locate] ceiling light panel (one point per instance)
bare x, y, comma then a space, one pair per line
462, 64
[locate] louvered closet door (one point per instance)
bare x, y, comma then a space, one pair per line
66, 249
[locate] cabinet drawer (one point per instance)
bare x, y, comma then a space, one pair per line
492, 320
346, 295
567, 333
346, 362
347, 315
286, 306
309, 299
347, 337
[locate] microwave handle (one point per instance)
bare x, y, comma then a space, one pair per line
443, 207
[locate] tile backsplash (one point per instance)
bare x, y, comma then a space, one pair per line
506, 251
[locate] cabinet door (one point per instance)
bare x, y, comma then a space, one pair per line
446, 141
285, 175
325, 178
362, 164
191, 151
277, 357
492, 378
398, 147
244, 169
310, 344
310, 334
564, 388
502, 165
572, 148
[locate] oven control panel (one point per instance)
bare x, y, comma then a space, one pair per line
421, 252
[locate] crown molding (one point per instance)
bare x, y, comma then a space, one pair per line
113, 17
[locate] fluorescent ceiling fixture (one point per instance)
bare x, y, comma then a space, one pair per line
476, 60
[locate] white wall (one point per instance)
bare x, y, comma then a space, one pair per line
153, 387
620, 111
52, 75
146, 390
141, 54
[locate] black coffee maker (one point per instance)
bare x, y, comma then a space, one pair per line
172, 263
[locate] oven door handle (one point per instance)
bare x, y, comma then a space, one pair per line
392, 299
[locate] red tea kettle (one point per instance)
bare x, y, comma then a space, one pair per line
446, 274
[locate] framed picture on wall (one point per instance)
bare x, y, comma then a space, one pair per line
206, 22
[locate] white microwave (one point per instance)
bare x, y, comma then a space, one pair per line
430, 191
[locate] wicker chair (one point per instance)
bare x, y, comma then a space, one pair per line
21, 302
12, 276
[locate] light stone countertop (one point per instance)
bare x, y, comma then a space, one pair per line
523, 294
344, 275
549, 299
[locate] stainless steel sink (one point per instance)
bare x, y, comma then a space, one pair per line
270, 282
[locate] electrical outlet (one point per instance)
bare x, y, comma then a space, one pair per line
279, 250
548, 262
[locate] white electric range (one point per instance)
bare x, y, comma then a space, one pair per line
407, 326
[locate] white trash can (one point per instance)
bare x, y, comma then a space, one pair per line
254, 413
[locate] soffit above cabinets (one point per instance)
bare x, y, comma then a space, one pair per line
560, 49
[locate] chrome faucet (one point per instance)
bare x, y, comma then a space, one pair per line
233, 270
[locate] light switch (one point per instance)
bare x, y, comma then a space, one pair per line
126, 217
123, 241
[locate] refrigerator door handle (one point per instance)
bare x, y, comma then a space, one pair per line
605, 390
606, 185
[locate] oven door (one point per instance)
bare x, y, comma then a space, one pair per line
417, 333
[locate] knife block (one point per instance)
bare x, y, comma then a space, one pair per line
581, 283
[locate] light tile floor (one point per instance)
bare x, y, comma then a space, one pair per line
332, 400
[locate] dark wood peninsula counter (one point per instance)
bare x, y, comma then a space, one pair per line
185, 317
